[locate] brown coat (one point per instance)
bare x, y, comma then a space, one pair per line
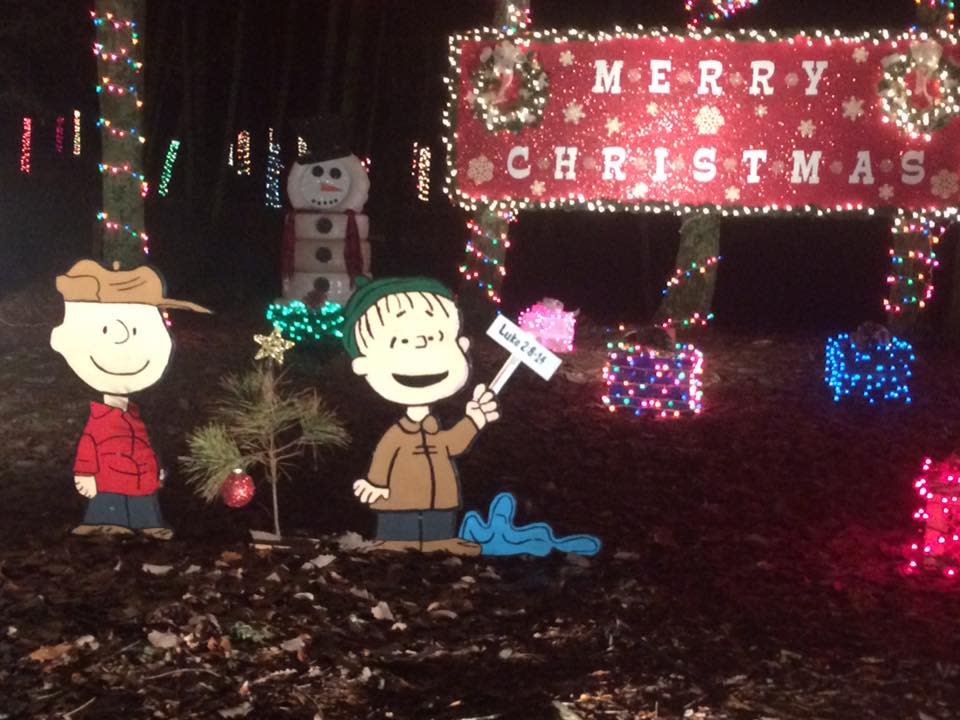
415, 460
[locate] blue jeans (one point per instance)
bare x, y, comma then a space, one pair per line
136, 512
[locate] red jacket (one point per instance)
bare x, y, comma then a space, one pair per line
115, 449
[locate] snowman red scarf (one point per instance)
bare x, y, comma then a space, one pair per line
352, 252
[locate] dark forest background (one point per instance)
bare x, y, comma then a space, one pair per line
380, 63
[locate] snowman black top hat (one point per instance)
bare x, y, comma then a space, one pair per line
325, 137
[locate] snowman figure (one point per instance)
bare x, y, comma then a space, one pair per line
325, 236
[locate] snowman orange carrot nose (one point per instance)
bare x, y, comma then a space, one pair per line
326, 187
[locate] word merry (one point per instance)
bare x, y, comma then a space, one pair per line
607, 76
806, 165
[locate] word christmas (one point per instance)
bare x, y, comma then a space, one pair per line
808, 123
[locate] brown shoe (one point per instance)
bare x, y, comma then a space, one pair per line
88, 530
454, 546
396, 545
158, 533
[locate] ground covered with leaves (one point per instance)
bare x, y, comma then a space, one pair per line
749, 568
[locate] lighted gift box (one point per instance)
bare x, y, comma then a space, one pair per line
871, 370
550, 324
938, 550
654, 382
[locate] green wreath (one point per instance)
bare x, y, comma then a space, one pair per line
500, 67
924, 60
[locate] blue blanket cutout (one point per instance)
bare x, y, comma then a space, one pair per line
499, 536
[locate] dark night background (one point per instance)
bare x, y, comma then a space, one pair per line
790, 274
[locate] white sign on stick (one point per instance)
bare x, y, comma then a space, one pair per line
524, 349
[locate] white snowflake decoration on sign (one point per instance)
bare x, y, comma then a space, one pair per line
543, 163
538, 188
573, 113
639, 162
634, 75
736, 79
708, 120
480, 169
761, 110
791, 79
836, 167
589, 163
678, 164
612, 126
806, 128
684, 77
852, 108
860, 55
729, 164
886, 192
732, 194
945, 184
886, 165
566, 58
778, 167
638, 191
652, 109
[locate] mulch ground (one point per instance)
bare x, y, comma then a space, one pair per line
749, 569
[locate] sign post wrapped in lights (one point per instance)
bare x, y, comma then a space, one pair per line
741, 123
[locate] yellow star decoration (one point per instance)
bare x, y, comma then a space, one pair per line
272, 346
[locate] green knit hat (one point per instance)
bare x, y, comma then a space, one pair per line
370, 291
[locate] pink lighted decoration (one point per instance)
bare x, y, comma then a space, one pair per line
938, 487
550, 324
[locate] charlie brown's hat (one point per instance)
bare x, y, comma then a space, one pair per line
88, 281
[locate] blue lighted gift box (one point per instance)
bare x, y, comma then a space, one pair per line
870, 371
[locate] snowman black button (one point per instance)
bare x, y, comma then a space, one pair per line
323, 254
324, 225
321, 284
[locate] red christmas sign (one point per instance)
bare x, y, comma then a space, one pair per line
806, 123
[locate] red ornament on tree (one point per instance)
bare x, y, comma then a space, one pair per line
238, 489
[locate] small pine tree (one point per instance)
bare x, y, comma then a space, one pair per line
259, 423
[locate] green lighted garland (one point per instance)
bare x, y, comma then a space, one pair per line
298, 322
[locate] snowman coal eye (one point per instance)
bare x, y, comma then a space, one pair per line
134, 331
104, 329
335, 173
317, 171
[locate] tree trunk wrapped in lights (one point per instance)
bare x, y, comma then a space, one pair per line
688, 296
484, 265
913, 259
118, 52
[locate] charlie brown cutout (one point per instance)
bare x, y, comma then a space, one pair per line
404, 337
114, 338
